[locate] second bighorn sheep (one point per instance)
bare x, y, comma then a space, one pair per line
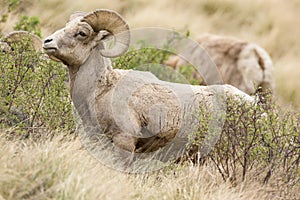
244, 65
32, 42
134, 109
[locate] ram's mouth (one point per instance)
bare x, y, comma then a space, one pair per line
50, 51
54, 58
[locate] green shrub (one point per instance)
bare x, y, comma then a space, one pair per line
29, 24
147, 58
261, 140
142, 55
33, 94
12, 4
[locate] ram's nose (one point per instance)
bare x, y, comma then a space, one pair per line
47, 41
49, 45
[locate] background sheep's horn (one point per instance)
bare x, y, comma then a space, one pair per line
77, 14
112, 22
20, 36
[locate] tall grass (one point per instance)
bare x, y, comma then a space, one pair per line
59, 169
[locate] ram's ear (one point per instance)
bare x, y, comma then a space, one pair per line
105, 39
104, 36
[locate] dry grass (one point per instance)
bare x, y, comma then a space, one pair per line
63, 170
270, 23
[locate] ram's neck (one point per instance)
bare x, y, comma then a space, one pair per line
84, 79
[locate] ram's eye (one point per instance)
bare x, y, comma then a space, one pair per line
81, 33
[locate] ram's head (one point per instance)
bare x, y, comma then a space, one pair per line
85, 31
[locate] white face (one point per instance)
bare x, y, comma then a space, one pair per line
72, 44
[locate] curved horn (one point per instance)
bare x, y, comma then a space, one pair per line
19, 36
112, 22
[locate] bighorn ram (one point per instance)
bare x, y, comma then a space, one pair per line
135, 110
242, 64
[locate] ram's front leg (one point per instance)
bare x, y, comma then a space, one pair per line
128, 143
125, 141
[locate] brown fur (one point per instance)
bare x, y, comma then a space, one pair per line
227, 53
